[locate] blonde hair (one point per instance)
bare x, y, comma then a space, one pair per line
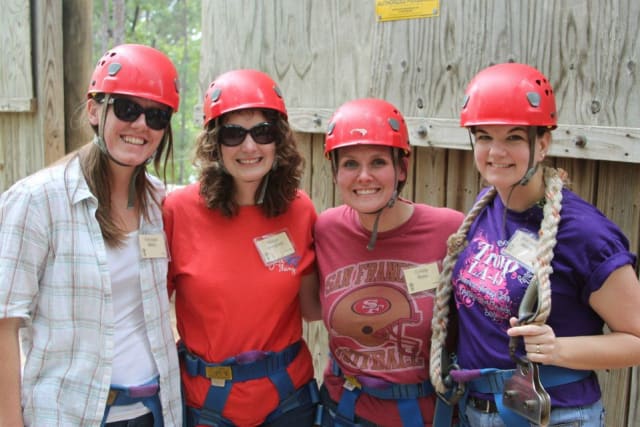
554, 182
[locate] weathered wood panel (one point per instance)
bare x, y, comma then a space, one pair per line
78, 65
588, 49
16, 75
322, 191
423, 66
302, 44
32, 139
324, 54
50, 71
618, 197
634, 397
574, 141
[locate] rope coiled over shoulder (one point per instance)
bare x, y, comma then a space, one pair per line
554, 181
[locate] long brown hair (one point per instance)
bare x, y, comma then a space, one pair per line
95, 168
217, 186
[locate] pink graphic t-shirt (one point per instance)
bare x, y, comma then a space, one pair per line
379, 327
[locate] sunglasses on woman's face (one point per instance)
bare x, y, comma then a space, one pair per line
128, 110
233, 135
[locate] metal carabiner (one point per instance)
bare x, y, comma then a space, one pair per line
456, 389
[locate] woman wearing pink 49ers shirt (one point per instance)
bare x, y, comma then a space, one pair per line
378, 258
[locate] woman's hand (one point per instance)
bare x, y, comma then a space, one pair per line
539, 341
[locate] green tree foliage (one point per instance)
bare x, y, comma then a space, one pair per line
173, 27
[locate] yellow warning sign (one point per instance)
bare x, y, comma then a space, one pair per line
393, 10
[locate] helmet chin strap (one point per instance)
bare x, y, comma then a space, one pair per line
532, 168
389, 204
378, 214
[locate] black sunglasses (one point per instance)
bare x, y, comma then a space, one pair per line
128, 110
233, 135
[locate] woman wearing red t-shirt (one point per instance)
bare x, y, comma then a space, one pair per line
240, 241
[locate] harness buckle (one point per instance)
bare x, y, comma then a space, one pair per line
351, 383
218, 374
111, 397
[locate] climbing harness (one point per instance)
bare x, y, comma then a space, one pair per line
245, 367
405, 395
519, 394
147, 394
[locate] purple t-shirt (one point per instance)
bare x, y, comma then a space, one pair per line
489, 284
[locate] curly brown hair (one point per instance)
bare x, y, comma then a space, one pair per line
217, 186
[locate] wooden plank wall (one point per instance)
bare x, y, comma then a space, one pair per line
325, 53
448, 178
16, 78
34, 137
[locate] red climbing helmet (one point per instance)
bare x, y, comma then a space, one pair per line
367, 121
137, 70
241, 89
509, 94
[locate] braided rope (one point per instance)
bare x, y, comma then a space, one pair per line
440, 320
554, 180
547, 241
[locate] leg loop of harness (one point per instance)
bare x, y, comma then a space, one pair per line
328, 416
346, 410
223, 375
410, 413
307, 395
405, 395
147, 394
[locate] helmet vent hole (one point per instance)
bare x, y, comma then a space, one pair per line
394, 124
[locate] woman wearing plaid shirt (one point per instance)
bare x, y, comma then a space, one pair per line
83, 265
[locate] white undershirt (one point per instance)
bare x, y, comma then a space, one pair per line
133, 362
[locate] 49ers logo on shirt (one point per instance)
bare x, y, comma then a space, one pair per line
371, 306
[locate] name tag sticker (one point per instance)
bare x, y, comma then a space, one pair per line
422, 278
274, 247
522, 247
153, 245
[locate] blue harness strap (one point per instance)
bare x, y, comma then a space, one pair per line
272, 365
405, 395
492, 382
147, 394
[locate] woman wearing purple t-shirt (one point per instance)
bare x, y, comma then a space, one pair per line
528, 232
